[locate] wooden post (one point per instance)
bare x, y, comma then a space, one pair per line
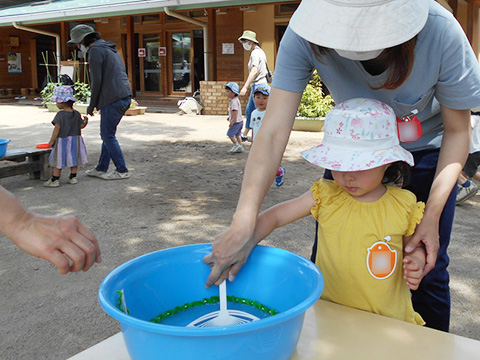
131, 55
212, 43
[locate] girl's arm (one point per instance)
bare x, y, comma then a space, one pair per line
263, 161
251, 76
413, 265
55, 133
282, 214
453, 153
84, 122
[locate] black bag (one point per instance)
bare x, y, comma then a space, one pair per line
269, 75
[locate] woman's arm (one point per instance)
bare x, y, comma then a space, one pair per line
251, 76
453, 153
231, 247
54, 136
62, 241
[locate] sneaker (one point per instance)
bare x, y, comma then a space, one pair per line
239, 148
244, 138
95, 173
232, 149
50, 183
465, 193
72, 181
115, 175
279, 178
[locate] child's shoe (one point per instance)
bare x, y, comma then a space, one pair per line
73, 181
50, 183
465, 193
279, 177
232, 149
239, 148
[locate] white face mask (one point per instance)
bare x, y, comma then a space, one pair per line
83, 48
247, 46
359, 55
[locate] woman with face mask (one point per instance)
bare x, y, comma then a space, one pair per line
257, 72
410, 54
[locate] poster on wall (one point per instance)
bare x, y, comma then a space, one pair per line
14, 62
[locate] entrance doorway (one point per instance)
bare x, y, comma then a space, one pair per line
151, 65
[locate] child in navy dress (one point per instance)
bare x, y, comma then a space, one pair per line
68, 147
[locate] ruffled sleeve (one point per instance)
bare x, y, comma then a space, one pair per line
315, 189
415, 218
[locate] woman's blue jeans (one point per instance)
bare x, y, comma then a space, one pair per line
109, 120
432, 299
250, 106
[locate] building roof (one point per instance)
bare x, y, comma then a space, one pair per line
37, 12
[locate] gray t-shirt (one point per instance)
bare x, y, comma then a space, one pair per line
70, 123
445, 71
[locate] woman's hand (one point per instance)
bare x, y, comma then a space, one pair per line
230, 251
243, 92
62, 241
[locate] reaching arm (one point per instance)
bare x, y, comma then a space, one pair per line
62, 241
231, 247
453, 153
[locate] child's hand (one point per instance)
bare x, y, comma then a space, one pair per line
413, 271
51, 143
85, 120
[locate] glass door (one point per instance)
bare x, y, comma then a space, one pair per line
181, 58
152, 64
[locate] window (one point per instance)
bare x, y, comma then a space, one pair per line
285, 10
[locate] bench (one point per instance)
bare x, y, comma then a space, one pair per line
22, 161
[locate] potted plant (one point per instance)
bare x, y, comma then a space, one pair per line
314, 105
82, 93
135, 109
47, 93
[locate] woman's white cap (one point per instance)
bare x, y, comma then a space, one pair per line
359, 25
360, 134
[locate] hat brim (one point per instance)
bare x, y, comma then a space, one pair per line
359, 27
242, 38
342, 159
79, 39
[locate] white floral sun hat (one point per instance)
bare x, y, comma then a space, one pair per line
359, 25
63, 93
360, 134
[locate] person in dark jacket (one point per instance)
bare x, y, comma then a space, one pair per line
111, 94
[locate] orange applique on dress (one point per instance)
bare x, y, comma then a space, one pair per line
381, 259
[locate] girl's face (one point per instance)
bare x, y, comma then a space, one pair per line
230, 94
260, 101
365, 185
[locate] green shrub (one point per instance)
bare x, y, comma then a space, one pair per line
314, 103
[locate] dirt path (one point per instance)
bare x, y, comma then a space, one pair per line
184, 188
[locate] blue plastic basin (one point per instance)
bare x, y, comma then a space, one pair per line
162, 280
3, 146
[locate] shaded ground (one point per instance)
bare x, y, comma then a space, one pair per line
183, 190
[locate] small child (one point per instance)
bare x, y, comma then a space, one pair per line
466, 188
364, 224
234, 117
260, 97
67, 142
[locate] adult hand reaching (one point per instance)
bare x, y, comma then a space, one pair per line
62, 241
229, 252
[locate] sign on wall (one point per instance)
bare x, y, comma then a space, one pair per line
14, 62
142, 52
228, 48
162, 51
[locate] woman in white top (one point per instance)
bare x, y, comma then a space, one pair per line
257, 72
